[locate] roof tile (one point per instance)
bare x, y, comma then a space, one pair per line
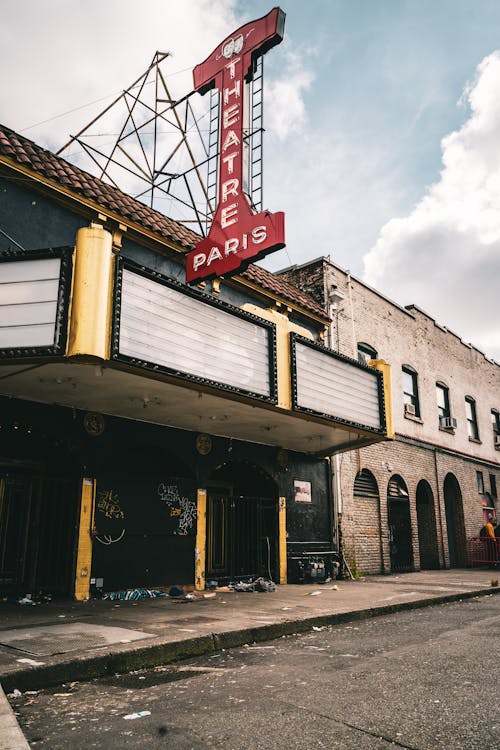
47, 164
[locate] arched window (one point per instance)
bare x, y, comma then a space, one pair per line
365, 484
397, 489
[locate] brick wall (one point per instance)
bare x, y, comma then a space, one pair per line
422, 454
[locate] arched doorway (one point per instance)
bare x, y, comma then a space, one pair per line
242, 523
399, 520
426, 523
368, 531
455, 527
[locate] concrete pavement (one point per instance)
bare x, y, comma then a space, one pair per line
51, 643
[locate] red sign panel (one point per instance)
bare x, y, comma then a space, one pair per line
237, 235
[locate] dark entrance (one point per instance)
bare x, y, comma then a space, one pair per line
426, 521
38, 516
242, 526
15, 507
454, 522
399, 520
39, 506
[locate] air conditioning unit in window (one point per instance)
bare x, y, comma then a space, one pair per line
497, 442
410, 409
447, 423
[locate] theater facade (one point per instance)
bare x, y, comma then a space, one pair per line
154, 432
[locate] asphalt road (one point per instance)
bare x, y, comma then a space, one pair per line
425, 679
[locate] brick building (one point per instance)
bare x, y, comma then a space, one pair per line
412, 502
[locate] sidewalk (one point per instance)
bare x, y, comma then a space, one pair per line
48, 644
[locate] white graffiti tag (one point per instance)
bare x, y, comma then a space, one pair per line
180, 507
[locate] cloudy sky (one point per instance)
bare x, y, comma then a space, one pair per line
382, 125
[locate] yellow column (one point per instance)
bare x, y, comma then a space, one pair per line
84, 553
282, 538
201, 541
92, 293
385, 369
283, 359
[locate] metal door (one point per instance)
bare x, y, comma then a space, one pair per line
241, 537
15, 507
400, 543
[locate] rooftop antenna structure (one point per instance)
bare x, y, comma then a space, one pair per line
163, 150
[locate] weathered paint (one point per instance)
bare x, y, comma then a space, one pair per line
385, 369
84, 549
201, 540
283, 328
282, 539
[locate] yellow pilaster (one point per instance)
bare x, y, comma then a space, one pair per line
84, 553
385, 369
282, 538
283, 360
92, 293
201, 541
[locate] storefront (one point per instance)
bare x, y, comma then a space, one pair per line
153, 432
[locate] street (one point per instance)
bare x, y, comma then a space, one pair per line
425, 679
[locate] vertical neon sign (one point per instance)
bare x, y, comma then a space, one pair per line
237, 235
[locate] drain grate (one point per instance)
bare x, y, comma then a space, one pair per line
59, 639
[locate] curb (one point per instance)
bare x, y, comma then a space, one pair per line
102, 665
11, 737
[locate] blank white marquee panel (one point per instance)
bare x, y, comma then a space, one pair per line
163, 326
28, 302
336, 388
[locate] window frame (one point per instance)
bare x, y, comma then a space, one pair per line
480, 482
472, 425
411, 397
365, 352
493, 486
495, 421
443, 411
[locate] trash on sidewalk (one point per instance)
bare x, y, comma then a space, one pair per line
133, 595
260, 584
138, 715
176, 591
39, 598
26, 599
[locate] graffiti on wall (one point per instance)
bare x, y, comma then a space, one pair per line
108, 504
181, 508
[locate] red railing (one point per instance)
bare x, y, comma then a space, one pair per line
483, 550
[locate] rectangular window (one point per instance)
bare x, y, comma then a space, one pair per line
493, 485
470, 413
480, 482
443, 401
495, 421
410, 391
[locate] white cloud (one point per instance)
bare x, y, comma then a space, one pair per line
285, 109
445, 255
56, 56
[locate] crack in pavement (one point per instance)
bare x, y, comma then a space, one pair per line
376, 735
